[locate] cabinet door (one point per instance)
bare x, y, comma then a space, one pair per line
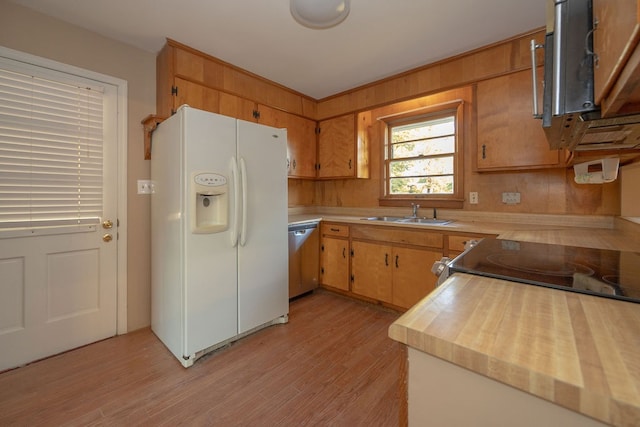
237, 107
301, 147
196, 96
301, 140
334, 261
412, 276
614, 41
337, 147
508, 136
371, 270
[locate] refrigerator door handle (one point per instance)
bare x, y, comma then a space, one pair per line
236, 202
243, 179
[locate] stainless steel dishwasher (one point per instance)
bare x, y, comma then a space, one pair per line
304, 262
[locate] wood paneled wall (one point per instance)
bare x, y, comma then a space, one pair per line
543, 191
490, 61
550, 191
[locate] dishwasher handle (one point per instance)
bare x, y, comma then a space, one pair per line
301, 228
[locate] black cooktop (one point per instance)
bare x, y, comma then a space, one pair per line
601, 272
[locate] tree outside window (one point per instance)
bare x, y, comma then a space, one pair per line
421, 157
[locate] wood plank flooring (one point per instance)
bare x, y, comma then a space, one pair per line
332, 364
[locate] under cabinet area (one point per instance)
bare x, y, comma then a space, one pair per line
508, 138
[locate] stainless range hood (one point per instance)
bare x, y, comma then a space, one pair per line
569, 116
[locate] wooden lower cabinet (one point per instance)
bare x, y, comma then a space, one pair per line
391, 265
393, 274
412, 276
371, 270
334, 263
334, 255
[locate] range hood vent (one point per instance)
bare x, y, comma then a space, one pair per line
570, 118
587, 131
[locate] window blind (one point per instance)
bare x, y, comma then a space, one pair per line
51, 140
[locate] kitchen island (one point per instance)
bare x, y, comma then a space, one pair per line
578, 351
492, 352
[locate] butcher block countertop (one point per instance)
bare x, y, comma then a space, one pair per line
576, 350
579, 351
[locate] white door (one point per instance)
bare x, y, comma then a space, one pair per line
58, 280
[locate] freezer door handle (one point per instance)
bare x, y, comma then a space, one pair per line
243, 180
236, 202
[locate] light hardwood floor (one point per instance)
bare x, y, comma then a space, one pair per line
332, 364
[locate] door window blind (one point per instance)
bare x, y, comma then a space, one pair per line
51, 140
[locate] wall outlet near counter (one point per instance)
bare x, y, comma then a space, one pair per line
473, 197
511, 198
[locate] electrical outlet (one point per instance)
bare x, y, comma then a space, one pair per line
511, 198
473, 197
145, 186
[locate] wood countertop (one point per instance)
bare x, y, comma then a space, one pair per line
579, 351
624, 236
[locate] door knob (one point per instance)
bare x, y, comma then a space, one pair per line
107, 224
107, 237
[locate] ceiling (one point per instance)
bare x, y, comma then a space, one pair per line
378, 39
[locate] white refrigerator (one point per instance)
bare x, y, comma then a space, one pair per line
219, 264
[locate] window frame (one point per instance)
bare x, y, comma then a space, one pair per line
453, 108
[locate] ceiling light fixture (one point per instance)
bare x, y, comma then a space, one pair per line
319, 14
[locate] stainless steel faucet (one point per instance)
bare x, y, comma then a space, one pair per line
414, 210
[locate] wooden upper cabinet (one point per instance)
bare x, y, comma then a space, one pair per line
615, 42
301, 140
186, 76
508, 137
301, 147
237, 107
343, 147
195, 95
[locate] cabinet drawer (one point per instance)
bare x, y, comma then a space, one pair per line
337, 230
396, 235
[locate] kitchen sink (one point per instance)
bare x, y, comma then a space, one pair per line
431, 221
410, 220
385, 218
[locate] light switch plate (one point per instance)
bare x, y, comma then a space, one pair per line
145, 186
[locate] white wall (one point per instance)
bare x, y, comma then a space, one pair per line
28, 31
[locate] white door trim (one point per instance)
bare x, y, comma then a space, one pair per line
122, 88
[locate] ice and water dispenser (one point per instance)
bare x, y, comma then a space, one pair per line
210, 194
